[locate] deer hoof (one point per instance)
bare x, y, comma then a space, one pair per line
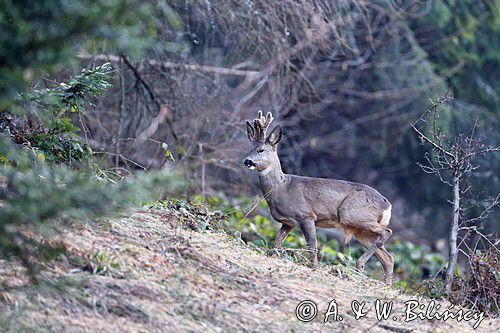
388, 279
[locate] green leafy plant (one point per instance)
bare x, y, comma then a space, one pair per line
73, 96
104, 264
56, 138
168, 153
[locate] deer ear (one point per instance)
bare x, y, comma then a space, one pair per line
275, 136
250, 131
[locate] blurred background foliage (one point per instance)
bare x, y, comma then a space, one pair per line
469, 32
38, 37
101, 90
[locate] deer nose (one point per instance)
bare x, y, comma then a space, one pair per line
249, 163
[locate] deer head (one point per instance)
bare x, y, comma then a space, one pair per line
263, 155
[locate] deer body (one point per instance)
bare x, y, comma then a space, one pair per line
307, 203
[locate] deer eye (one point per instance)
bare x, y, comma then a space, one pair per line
260, 151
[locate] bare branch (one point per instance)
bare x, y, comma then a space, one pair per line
163, 112
173, 65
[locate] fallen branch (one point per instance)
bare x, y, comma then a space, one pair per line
173, 65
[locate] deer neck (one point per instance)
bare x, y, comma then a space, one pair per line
271, 177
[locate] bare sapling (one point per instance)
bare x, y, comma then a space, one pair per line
452, 158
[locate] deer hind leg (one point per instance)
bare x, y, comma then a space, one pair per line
282, 233
387, 261
367, 239
381, 234
355, 214
360, 224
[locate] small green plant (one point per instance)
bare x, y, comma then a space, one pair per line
104, 264
55, 148
168, 153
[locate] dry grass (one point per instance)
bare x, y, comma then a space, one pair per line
157, 276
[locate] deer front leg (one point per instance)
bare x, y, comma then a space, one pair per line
282, 233
308, 229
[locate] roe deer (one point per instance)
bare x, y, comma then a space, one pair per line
307, 203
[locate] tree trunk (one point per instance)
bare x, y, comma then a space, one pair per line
453, 253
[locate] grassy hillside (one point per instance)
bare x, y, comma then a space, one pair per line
160, 270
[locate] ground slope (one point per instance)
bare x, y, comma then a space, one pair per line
145, 272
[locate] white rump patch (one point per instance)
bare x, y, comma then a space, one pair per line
386, 216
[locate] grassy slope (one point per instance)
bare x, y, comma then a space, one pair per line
169, 278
